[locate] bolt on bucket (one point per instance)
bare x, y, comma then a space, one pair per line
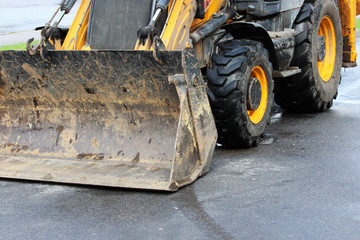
110, 118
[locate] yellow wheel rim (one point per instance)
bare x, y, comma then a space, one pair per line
326, 66
257, 115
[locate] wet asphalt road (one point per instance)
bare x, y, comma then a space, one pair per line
303, 185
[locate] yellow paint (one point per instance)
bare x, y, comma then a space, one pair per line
75, 30
57, 44
257, 115
177, 32
213, 8
86, 47
326, 66
348, 11
181, 22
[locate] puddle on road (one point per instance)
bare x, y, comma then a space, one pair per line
276, 114
267, 139
275, 118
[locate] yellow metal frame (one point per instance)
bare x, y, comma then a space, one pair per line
181, 22
213, 7
175, 34
348, 11
78, 30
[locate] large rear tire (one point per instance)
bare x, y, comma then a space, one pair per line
318, 53
240, 92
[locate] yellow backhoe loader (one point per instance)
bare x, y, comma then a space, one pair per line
136, 93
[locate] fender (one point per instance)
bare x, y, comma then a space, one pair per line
253, 31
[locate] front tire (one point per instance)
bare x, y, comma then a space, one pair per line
240, 92
318, 53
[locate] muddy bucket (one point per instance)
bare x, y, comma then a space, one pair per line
109, 118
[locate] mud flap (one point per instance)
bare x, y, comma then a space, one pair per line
110, 118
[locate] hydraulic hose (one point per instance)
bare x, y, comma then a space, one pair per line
212, 25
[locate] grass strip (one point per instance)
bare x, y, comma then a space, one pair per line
18, 46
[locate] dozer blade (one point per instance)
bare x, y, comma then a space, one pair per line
110, 118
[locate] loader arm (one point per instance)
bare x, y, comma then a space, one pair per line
176, 31
181, 21
77, 35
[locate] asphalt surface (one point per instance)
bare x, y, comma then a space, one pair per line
302, 183
23, 15
18, 18
18, 37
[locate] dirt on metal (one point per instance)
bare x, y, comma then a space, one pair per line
113, 118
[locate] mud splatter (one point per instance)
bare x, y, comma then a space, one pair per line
59, 130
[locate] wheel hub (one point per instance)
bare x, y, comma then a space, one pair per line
254, 94
326, 49
321, 48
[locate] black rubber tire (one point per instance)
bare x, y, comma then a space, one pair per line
228, 80
306, 92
